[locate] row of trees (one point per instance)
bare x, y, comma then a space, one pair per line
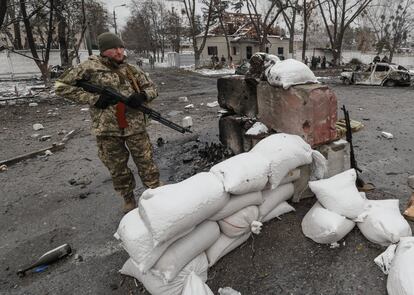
152, 27
368, 23
42, 25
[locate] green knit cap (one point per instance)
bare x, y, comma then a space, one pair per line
109, 40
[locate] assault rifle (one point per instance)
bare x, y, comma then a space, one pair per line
359, 181
89, 87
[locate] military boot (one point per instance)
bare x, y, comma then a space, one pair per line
129, 203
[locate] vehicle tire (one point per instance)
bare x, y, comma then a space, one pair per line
390, 83
346, 81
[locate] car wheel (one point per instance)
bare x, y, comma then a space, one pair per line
390, 83
346, 81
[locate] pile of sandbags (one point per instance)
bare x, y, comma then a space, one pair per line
340, 206
398, 263
181, 229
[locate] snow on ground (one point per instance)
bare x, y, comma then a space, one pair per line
212, 73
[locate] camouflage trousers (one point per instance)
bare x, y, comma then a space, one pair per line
114, 152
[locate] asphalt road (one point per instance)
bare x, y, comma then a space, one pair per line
68, 198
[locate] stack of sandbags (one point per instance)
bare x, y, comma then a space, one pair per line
340, 205
180, 228
398, 263
167, 234
259, 183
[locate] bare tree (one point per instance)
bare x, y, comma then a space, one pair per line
220, 7
337, 16
3, 11
289, 15
41, 62
190, 12
263, 26
391, 23
308, 9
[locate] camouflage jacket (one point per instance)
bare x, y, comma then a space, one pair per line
102, 72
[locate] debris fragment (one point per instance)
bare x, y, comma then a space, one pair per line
45, 137
228, 291
48, 258
3, 168
84, 109
78, 258
189, 106
160, 141
212, 104
37, 127
387, 135
48, 153
35, 135
183, 99
33, 104
334, 245
187, 122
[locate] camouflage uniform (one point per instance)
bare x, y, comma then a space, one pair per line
115, 143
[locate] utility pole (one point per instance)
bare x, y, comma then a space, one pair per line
116, 31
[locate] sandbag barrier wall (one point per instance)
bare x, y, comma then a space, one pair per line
184, 228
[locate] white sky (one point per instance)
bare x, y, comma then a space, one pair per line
122, 13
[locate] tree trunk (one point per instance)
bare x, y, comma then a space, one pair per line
42, 64
62, 28
17, 39
3, 11
225, 36
197, 58
305, 35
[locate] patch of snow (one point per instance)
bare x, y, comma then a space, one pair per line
257, 128
211, 73
212, 104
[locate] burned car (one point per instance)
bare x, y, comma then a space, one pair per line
383, 74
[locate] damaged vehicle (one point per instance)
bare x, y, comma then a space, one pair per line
383, 74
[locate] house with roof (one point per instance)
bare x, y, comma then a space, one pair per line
243, 40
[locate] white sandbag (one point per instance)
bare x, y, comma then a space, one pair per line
272, 198
238, 202
194, 285
243, 173
172, 209
291, 176
339, 194
287, 152
324, 226
223, 246
382, 222
185, 249
289, 72
137, 241
157, 286
401, 275
384, 260
280, 209
239, 223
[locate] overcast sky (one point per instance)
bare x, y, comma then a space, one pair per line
122, 13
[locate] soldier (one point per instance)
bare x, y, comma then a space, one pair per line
119, 128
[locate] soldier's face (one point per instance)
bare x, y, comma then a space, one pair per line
116, 54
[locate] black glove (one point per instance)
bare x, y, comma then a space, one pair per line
105, 100
135, 100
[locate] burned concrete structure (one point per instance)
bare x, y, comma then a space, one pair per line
309, 111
